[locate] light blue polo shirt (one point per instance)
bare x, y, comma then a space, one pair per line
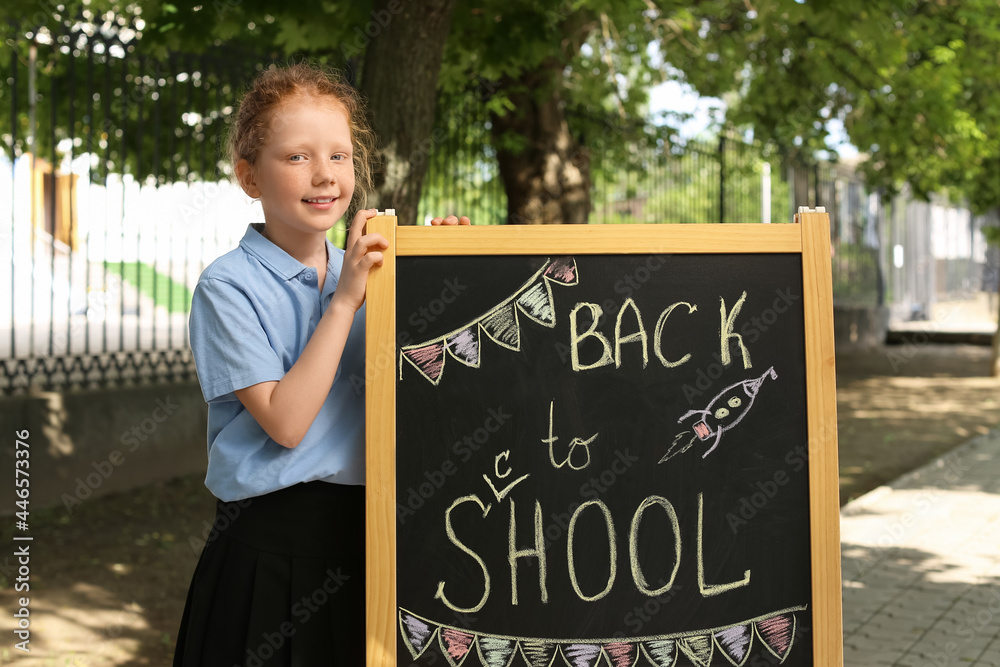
252, 313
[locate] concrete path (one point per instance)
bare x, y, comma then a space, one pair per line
921, 565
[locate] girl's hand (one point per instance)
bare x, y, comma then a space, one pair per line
362, 252
451, 220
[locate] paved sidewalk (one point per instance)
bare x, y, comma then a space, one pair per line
921, 565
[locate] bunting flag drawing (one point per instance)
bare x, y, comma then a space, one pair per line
500, 324
417, 633
538, 653
776, 631
621, 654
455, 645
581, 655
496, 651
698, 648
734, 643
660, 652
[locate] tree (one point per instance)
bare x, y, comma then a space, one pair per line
401, 90
402, 93
914, 83
567, 91
133, 80
912, 80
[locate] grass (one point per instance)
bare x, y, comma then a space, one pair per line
162, 289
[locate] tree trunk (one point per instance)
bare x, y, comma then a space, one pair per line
548, 182
400, 81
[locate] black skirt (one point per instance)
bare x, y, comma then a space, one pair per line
280, 582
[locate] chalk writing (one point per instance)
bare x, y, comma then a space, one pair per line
500, 495
450, 531
538, 551
575, 443
559, 511
592, 312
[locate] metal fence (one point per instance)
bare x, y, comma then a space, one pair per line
936, 253
115, 199
728, 179
856, 223
695, 181
901, 253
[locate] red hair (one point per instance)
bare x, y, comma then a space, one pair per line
277, 85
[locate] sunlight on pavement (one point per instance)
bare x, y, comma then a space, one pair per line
921, 577
85, 626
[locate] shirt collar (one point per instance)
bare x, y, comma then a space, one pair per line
273, 257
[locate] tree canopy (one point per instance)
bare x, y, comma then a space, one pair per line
913, 81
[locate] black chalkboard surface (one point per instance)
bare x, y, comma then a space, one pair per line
602, 459
560, 487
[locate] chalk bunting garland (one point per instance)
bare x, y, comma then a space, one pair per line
500, 324
776, 631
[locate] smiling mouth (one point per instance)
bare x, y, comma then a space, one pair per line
320, 200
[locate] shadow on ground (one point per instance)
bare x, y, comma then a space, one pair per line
108, 580
899, 407
921, 577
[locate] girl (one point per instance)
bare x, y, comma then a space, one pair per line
277, 332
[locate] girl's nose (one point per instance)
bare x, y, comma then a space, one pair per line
324, 172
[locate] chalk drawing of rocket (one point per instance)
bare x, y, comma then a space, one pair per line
721, 414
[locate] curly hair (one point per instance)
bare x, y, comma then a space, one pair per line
274, 86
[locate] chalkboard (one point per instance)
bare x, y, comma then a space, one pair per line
600, 458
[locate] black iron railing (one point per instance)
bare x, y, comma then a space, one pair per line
114, 195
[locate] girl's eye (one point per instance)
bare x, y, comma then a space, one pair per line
296, 158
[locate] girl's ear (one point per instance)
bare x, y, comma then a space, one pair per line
245, 175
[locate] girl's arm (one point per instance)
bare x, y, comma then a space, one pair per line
285, 409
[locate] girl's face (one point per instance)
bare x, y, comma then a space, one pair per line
304, 175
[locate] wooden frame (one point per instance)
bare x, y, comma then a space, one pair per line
810, 238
